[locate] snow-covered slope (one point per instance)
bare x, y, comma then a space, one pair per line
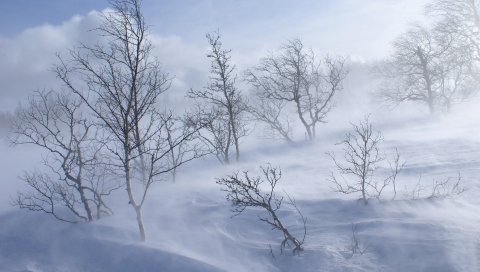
189, 224
36, 243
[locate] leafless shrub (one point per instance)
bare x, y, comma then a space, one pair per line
362, 158
449, 187
446, 188
355, 247
417, 190
246, 191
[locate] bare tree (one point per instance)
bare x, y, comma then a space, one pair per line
121, 83
362, 157
294, 75
270, 112
460, 18
410, 73
246, 191
225, 104
54, 123
428, 66
181, 151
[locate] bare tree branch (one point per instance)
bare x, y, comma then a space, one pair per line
246, 191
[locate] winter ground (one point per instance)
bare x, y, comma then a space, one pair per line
189, 224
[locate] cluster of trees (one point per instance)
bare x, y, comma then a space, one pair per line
437, 64
108, 129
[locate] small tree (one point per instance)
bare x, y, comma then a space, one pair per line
295, 76
54, 123
220, 105
362, 157
244, 192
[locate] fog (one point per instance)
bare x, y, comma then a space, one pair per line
189, 223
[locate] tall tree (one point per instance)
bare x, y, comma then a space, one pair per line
221, 104
121, 83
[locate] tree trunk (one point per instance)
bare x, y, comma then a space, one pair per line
84, 200
428, 81
141, 228
227, 145
286, 233
300, 115
81, 190
131, 198
235, 141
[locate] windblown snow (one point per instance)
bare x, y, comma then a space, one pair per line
190, 225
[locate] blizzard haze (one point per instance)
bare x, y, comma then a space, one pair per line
428, 222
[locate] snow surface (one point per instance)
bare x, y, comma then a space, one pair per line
190, 228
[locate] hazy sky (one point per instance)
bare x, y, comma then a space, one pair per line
32, 31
